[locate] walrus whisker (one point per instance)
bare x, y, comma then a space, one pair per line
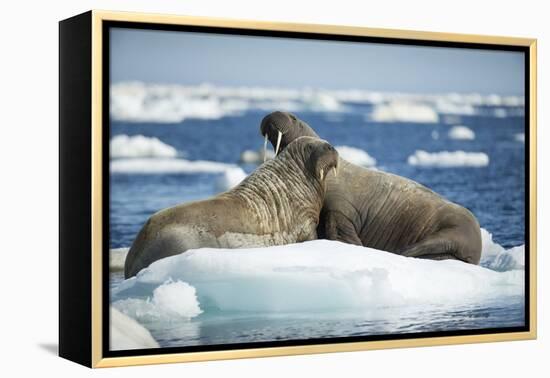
279, 137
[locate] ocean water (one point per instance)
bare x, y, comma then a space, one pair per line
495, 193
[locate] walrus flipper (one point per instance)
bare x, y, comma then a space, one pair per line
440, 246
340, 228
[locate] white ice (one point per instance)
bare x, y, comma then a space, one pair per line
126, 333
356, 156
319, 276
166, 165
117, 257
167, 103
444, 106
399, 111
520, 137
230, 178
138, 146
444, 159
497, 258
461, 133
255, 157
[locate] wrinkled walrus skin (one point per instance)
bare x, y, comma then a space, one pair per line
279, 203
382, 210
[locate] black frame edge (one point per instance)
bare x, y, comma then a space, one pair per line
75, 194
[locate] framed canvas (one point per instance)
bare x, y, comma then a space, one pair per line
235, 189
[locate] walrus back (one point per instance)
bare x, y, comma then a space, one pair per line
164, 234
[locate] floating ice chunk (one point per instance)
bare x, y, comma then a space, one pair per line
255, 157
161, 165
448, 159
314, 276
126, 333
447, 107
172, 300
398, 111
117, 257
500, 113
493, 100
520, 137
356, 156
177, 298
324, 102
230, 178
495, 257
461, 133
140, 102
513, 101
124, 146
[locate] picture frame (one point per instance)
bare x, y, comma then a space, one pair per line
85, 66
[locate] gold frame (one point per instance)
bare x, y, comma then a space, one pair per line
97, 357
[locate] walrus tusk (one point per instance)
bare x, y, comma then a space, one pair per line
321, 174
335, 170
265, 148
279, 137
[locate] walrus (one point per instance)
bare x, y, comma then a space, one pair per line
381, 210
279, 203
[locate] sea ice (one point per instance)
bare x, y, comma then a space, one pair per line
126, 333
461, 133
316, 276
356, 156
445, 159
404, 112
166, 165
230, 178
139, 146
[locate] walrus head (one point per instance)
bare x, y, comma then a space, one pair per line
318, 156
281, 128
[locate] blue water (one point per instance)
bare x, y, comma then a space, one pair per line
495, 194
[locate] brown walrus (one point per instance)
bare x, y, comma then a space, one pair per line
279, 203
382, 210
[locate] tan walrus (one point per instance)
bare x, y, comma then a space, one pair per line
384, 211
279, 203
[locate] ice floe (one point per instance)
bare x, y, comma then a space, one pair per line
126, 333
171, 103
404, 112
165, 165
356, 156
444, 106
461, 133
164, 103
117, 257
445, 159
520, 137
498, 258
500, 113
230, 178
316, 276
255, 157
124, 146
